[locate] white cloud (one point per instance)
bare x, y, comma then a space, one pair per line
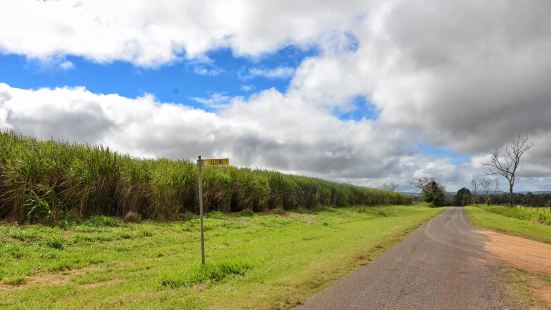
50, 65
203, 65
269, 73
153, 32
472, 82
214, 101
208, 71
468, 75
66, 65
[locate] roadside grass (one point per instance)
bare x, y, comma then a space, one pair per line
531, 224
255, 261
511, 221
522, 286
534, 215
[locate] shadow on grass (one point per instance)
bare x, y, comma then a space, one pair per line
208, 274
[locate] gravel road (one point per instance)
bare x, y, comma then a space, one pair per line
441, 265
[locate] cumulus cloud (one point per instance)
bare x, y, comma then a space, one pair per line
469, 75
152, 32
472, 75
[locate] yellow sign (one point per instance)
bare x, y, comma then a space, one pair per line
217, 162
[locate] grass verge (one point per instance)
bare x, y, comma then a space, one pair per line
253, 262
524, 287
485, 217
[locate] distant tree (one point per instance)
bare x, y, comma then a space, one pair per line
474, 187
505, 163
431, 191
486, 185
463, 197
434, 193
391, 187
420, 182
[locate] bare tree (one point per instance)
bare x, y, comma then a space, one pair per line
391, 187
496, 184
474, 187
420, 183
505, 163
486, 185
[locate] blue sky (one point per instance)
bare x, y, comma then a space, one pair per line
456, 158
220, 72
362, 108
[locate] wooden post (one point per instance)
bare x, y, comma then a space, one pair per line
200, 180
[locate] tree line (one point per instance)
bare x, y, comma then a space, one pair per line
502, 162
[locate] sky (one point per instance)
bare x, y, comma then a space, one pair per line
363, 92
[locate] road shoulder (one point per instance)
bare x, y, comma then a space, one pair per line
529, 267
524, 249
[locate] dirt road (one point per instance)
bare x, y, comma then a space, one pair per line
442, 265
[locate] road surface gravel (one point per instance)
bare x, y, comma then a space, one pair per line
441, 265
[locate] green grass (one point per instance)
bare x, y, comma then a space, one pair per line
254, 262
208, 274
523, 223
48, 181
534, 215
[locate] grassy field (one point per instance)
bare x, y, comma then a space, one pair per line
255, 262
531, 224
46, 181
